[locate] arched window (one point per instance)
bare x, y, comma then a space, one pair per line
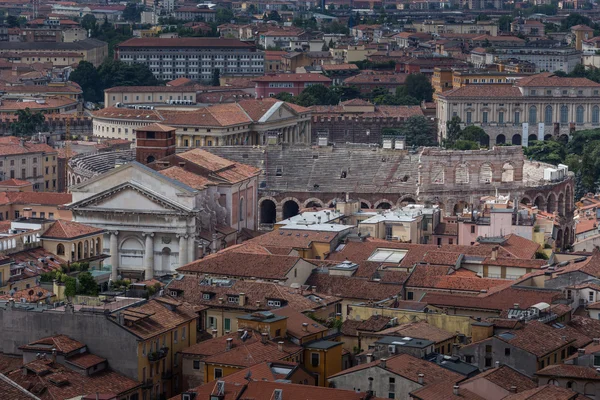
241, 214
532, 115
564, 115
579, 115
461, 173
596, 115
60, 250
548, 115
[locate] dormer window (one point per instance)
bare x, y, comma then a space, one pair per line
533, 92
205, 296
274, 303
549, 92
565, 92
233, 299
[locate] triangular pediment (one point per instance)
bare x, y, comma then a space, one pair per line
278, 112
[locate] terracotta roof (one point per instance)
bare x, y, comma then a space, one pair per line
180, 82
547, 392
264, 371
63, 229
10, 145
155, 318
86, 360
294, 239
570, 371
505, 377
62, 343
29, 295
194, 181
293, 78
340, 67
41, 198
14, 182
409, 367
443, 390
420, 329
294, 322
547, 79
537, 338
157, 128
483, 91
10, 390
444, 228
352, 288
9, 363
586, 326
581, 28
185, 42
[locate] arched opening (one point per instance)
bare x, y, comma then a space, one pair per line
364, 205
547, 137
531, 138
579, 115
540, 203
500, 139
548, 115
314, 204
567, 238
485, 173
98, 246
564, 115
525, 201
461, 173
551, 203
407, 200
132, 248
589, 390
485, 140
596, 115
552, 382
165, 262
532, 115
437, 174
60, 249
79, 251
384, 205
150, 159
85, 249
572, 385
564, 139
290, 208
561, 204
508, 172
459, 207
516, 139
268, 212
559, 239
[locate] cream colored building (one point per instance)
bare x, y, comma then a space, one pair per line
248, 122
405, 224
72, 241
148, 94
440, 27
533, 108
28, 161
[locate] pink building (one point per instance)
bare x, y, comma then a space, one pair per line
270, 85
495, 223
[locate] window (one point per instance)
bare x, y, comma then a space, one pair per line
212, 322
314, 359
391, 388
596, 115
228, 324
591, 296
501, 117
469, 359
450, 241
34, 160
34, 171
218, 373
533, 92
23, 161
182, 333
175, 335
579, 115
233, 299
517, 117
549, 92
596, 360
241, 215
488, 362
569, 294
564, 115
469, 117
532, 115
485, 117
274, 303
507, 351
410, 296
548, 115
196, 364
12, 162
23, 174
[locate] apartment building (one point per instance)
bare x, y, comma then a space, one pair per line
545, 59
193, 58
34, 162
59, 53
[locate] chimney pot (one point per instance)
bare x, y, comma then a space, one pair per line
214, 333
369, 357
280, 346
581, 352
420, 380
53, 355
264, 337
305, 327
382, 363
596, 340
513, 389
455, 390
497, 364
242, 299
229, 343
240, 332
516, 306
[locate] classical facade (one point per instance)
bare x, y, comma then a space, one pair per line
247, 122
537, 107
159, 218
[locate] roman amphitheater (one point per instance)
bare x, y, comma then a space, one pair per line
297, 177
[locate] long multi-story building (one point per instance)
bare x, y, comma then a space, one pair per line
545, 59
193, 58
533, 108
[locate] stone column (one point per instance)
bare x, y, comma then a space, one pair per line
114, 255
182, 250
149, 255
191, 248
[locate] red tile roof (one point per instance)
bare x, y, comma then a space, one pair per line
86, 360
570, 371
10, 390
505, 377
483, 91
538, 339
547, 392
63, 229
352, 288
62, 343
14, 182
41, 198
443, 390
293, 78
548, 79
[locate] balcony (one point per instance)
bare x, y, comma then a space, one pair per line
158, 355
147, 383
166, 375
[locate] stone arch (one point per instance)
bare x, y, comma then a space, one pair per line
150, 159
572, 386
312, 202
98, 250
290, 207
532, 138
547, 136
569, 199
540, 202
365, 204
461, 173
60, 249
484, 141
516, 139
383, 204
459, 207
589, 389
405, 200
437, 174
331, 203
561, 203
525, 200
508, 172
564, 138
79, 250
551, 203
165, 259
78, 180
86, 249
131, 242
552, 382
486, 172
500, 139
268, 211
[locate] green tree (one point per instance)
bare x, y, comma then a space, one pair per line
548, 151
88, 22
273, 16
474, 134
216, 78
504, 23
419, 87
70, 286
285, 96
27, 122
223, 16
590, 167
132, 12
346, 92
580, 139
461, 144
117, 73
575, 19
416, 130
452, 131
87, 284
86, 76
324, 47
323, 95
12, 21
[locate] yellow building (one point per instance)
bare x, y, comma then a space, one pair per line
447, 79
74, 242
164, 328
15, 277
323, 358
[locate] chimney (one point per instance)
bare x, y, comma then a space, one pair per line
305, 327
257, 303
27, 212
596, 340
382, 363
494, 255
214, 333
229, 344
242, 299
220, 300
516, 306
581, 352
53, 356
215, 243
513, 389
264, 337
280, 346
455, 390
497, 364
455, 349
420, 379
369, 357
11, 302
240, 332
